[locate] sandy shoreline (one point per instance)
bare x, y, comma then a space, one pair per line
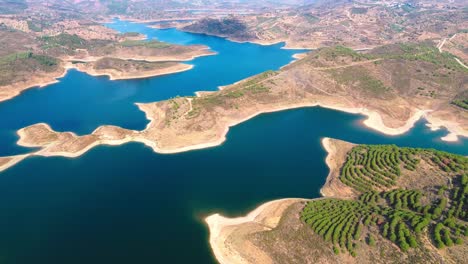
13, 90
7, 162
221, 228
117, 75
336, 155
262, 42
372, 121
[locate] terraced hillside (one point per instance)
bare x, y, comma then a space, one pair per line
404, 216
371, 168
420, 217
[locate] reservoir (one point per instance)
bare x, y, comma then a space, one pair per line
128, 204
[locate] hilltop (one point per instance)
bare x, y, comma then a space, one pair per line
355, 24
394, 205
147, 10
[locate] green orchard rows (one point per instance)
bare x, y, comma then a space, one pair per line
398, 215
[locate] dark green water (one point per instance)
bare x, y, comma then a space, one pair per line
125, 205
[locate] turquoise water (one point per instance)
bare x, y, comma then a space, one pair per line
128, 205
81, 103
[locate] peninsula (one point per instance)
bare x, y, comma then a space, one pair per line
411, 210
119, 56
369, 83
392, 62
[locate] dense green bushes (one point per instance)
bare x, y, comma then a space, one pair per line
402, 216
397, 215
376, 167
370, 167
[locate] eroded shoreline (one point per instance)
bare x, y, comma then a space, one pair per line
115, 75
68, 144
44, 79
188, 123
225, 233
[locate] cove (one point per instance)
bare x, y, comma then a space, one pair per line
80, 103
128, 204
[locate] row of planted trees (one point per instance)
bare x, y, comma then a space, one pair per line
338, 221
341, 222
400, 215
371, 167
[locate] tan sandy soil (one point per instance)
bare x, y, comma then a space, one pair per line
337, 153
68, 144
299, 56
181, 53
184, 124
115, 74
228, 235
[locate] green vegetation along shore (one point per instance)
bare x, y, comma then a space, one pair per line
405, 205
408, 217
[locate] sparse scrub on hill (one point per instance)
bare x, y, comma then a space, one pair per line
22, 57
16, 66
63, 40
145, 43
252, 86
419, 52
230, 26
361, 79
36, 27
463, 103
339, 52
